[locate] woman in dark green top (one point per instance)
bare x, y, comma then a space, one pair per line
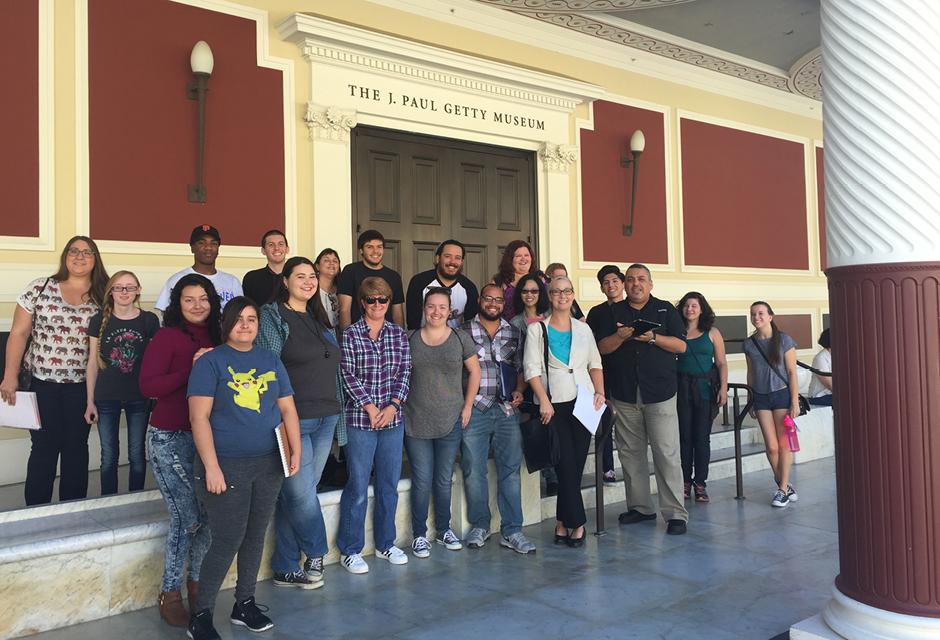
695, 401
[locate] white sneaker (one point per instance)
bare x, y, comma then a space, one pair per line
450, 540
393, 554
421, 547
354, 563
791, 493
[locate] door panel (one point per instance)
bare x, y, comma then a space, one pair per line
419, 190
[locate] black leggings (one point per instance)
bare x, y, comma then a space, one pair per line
695, 430
573, 442
64, 435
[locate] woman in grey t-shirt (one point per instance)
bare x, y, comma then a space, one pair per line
435, 414
771, 373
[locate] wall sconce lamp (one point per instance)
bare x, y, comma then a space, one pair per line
637, 144
201, 61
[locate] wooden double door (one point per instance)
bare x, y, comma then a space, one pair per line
420, 190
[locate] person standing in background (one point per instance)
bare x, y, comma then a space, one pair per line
327, 265
204, 242
371, 244
117, 338
262, 284
518, 259
448, 263
820, 387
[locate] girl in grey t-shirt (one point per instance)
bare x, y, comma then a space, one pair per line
437, 411
771, 373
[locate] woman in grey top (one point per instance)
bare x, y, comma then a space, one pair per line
435, 414
771, 373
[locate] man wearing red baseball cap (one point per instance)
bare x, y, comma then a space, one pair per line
204, 241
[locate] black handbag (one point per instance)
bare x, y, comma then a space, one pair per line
804, 403
540, 446
24, 378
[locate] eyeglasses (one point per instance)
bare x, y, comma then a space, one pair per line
129, 289
375, 300
561, 292
85, 253
491, 299
530, 292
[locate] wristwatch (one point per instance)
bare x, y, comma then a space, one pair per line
653, 339
395, 403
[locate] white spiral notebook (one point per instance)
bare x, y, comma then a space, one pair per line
283, 448
23, 415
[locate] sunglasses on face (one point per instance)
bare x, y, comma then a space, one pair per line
375, 300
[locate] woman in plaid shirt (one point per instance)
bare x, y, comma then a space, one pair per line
376, 369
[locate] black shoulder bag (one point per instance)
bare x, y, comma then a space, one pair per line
539, 445
804, 404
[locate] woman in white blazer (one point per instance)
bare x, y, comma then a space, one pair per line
573, 360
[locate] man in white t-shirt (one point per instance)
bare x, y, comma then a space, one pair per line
204, 242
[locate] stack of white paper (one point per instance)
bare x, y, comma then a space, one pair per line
23, 415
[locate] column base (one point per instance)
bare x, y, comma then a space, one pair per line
844, 617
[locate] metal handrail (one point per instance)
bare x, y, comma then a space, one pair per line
739, 415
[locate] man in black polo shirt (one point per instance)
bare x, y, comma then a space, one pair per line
640, 376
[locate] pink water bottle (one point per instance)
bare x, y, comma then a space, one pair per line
792, 439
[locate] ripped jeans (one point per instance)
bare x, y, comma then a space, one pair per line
171, 457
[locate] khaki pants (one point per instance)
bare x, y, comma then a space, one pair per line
656, 424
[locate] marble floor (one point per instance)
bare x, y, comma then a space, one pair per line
743, 571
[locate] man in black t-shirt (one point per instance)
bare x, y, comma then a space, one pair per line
640, 376
261, 284
448, 262
371, 244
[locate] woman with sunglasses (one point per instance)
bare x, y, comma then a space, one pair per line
295, 327
55, 313
117, 338
435, 416
573, 360
376, 372
531, 297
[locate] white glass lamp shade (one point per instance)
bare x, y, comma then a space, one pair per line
637, 142
201, 59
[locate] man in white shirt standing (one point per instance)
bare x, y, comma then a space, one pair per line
204, 242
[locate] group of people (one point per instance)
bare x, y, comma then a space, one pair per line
301, 354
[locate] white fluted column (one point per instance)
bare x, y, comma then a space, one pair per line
881, 102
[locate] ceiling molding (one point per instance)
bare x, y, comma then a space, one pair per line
806, 75
582, 6
660, 47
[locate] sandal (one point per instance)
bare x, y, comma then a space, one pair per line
687, 489
700, 494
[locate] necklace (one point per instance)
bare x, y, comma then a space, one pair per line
310, 324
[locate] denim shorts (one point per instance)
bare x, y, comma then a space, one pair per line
773, 400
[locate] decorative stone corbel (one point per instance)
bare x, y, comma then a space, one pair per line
558, 158
329, 123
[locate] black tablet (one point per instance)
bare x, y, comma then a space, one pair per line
641, 326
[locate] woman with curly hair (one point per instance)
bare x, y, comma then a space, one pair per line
55, 312
117, 338
701, 365
518, 260
191, 328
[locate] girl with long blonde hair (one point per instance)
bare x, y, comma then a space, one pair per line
117, 338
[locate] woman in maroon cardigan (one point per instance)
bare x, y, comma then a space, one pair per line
191, 328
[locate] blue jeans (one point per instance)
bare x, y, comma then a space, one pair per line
171, 456
432, 465
109, 419
298, 519
365, 447
486, 427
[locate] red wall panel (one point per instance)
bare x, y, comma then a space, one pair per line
799, 327
605, 187
821, 206
142, 126
743, 198
19, 118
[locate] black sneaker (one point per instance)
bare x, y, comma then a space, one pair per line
248, 614
633, 516
297, 579
200, 626
675, 527
313, 567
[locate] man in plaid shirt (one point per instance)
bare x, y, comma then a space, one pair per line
494, 421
